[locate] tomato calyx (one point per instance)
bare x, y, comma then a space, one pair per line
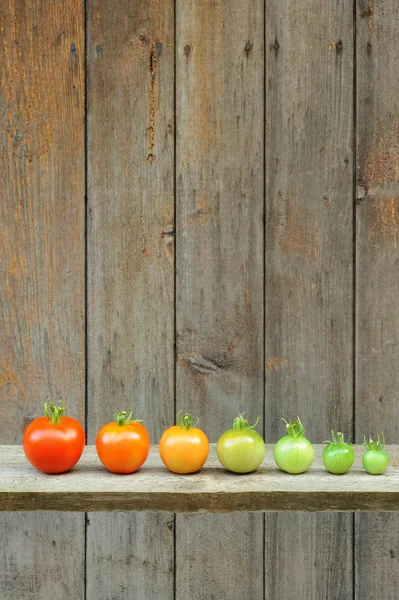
124, 417
295, 428
241, 424
53, 412
337, 439
186, 421
377, 445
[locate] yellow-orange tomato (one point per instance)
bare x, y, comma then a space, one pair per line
184, 448
123, 445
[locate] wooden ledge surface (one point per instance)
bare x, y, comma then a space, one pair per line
89, 487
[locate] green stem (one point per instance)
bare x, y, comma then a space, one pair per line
53, 412
124, 417
185, 420
375, 445
294, 428
241, 424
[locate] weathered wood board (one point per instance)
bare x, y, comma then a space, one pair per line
377, 268
153, 488
41, 268
219, 264
227, 81
309, 250
130, 54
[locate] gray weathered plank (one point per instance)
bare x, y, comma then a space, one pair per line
130, 272
311, 569
377, 290
219, 263
41, 267
309, 304
153, 488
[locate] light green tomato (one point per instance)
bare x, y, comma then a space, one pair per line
338, 456
241, 449
375, 461
293, 455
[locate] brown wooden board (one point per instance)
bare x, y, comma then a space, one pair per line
309, 233
153, 488
219, 264
41, 267
377, 261
130, 57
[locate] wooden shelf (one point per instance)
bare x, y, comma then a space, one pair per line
89, 487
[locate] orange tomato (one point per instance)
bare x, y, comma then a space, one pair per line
123, 445
184, 448
54, 443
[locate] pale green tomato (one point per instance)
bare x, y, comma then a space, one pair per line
338, 456
375, 460
294, 453
241, 449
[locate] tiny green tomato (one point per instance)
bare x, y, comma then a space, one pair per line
241, 449
338, 456
375, 460
294, 453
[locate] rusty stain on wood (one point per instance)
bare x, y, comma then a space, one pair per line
201, 213
10, 378
295, 235
381, 162
276, 363
151, 128
384, 220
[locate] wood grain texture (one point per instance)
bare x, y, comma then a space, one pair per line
219, 264
301, 555
128, 552
41, 268
309, 249
131, 267
377, 289
209, 570
90, 487
42, 556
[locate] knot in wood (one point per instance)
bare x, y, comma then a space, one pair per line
248, 47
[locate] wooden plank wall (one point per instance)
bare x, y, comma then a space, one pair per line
130, 58
263, 136
219, 266
42, 254
377, 269
308, 289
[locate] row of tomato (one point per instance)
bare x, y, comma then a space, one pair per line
54, 443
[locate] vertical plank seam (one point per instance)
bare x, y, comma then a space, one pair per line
264, 273
174, 264
354, 272
86, 245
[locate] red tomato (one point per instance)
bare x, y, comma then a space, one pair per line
123, 445
54, 443
184, 448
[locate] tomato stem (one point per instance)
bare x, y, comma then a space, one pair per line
338, 439
124, 417
294, 428
375, 445
185, 420
53, 412
240, 424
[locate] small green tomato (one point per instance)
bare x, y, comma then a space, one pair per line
338, 456
375, 460
294, 453
241, 449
